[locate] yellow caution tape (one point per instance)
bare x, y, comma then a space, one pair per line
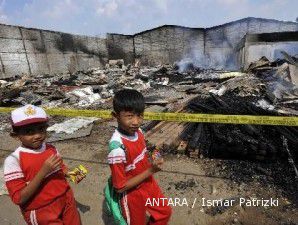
179, 117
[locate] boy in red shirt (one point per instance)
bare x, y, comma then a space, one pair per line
34, 174
132, 172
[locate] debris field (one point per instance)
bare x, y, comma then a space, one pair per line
239, 151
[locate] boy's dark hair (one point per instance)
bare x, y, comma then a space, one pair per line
129, 100
30, 128
16, 130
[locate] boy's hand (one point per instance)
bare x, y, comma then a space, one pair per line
157, 164
51, 164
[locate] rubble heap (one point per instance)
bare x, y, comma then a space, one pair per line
93, 88
265, 88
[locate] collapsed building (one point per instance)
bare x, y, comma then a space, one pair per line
246, 67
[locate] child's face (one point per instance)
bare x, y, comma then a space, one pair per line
129, 121
33, 135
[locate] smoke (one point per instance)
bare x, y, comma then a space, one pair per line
219, 53
194, 58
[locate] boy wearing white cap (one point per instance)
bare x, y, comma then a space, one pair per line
34, 172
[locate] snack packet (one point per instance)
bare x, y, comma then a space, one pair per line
78, 174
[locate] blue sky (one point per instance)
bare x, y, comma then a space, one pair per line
98, 17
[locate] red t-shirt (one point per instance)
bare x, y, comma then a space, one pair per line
127, 157
21, 167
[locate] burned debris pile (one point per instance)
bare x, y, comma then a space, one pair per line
95, 87
265, 88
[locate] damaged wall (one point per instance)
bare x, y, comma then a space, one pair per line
121, 47
215, 47
12, 56
33, 51
168, 44
222, 41
255, 46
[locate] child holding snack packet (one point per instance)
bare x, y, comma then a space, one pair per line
35, 173
132, 182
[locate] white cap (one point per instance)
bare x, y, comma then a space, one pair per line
28, 114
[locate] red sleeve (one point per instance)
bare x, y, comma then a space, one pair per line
64, 168
118, 175
14, 188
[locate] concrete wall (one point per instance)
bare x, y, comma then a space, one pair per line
270, 50
13, 56
215, 47
33, 51
121, 47
168, 44
267, 44
222, 41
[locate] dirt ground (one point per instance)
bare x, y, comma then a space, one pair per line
187, 180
